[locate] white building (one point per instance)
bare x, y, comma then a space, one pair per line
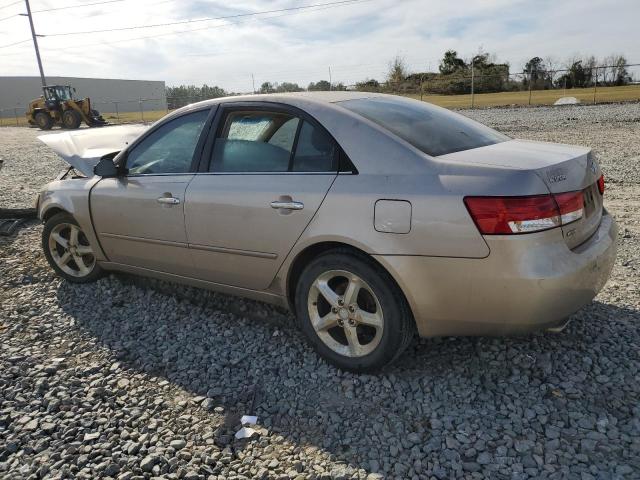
106, 94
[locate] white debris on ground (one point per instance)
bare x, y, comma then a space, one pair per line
134, 379
567, 101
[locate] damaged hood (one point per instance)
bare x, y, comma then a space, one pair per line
82, 149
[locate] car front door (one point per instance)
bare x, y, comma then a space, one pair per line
268, 173
139, 217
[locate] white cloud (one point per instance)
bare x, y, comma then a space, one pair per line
356, 41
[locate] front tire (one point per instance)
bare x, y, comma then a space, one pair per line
68, 251
352, 312
71, 119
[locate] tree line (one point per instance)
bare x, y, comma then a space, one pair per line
454, 76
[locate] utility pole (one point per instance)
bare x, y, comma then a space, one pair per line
35, 42
329, 77
530, 82
472, 82
595, 87
253, 82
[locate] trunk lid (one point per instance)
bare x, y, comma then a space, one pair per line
562, 168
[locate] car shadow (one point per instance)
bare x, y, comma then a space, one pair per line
250, 359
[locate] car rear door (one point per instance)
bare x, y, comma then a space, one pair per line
268, 171
139, 217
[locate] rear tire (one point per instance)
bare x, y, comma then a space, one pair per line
43, 120
352, 312
68, 251
71, 119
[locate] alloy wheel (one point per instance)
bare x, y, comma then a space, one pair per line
345, 313
70, 250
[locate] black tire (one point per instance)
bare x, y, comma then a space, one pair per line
71, 119
398, 324
59, 220
43, 120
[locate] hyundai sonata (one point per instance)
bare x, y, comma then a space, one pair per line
370, 216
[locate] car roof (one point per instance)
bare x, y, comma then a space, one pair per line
312, 97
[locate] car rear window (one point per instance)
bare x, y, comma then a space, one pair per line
433, 130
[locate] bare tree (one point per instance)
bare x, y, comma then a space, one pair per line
551, 64
398, 71
605, 69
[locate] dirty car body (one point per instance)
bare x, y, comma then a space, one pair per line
474, 233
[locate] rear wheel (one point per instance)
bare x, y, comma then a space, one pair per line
352, 312
68, 251
71, 119
44, 120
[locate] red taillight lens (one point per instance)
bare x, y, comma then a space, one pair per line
570, 205
508, 215
601, 184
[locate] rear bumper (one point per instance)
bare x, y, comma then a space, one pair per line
527, 283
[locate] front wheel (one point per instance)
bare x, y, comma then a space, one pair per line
352, 312
71, 119
68, 251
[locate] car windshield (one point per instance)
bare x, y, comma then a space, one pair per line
433, 130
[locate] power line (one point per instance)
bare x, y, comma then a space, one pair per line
15, 43
77, 6
179, 32
10, 4
208, 19
63, 8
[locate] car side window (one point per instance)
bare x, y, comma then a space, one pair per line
255, 142
315, 151
170, 148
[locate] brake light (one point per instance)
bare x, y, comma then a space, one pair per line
509, 215
601, 184
570, 205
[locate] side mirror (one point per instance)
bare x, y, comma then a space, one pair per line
106, 168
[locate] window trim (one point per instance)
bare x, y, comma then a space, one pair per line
121, 159
275, 107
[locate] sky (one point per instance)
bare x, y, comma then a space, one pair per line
355, 41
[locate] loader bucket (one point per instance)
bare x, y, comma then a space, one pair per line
97, 121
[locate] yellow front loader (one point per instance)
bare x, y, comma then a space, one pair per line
58, 107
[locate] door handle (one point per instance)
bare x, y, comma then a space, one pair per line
290, 205
168, 200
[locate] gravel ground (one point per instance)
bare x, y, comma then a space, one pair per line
131, 379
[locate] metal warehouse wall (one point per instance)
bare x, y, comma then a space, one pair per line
106, 94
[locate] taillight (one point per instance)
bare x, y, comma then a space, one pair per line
601, 184
509, 215
570, 205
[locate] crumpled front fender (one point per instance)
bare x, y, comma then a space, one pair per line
71, 196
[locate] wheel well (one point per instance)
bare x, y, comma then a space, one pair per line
51, 212
313, 251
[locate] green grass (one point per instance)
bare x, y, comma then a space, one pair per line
11, 121
122, 117
538, 97
132, 117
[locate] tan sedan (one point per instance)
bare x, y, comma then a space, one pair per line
370, 216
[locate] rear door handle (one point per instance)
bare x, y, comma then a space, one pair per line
287, 205
168, 200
